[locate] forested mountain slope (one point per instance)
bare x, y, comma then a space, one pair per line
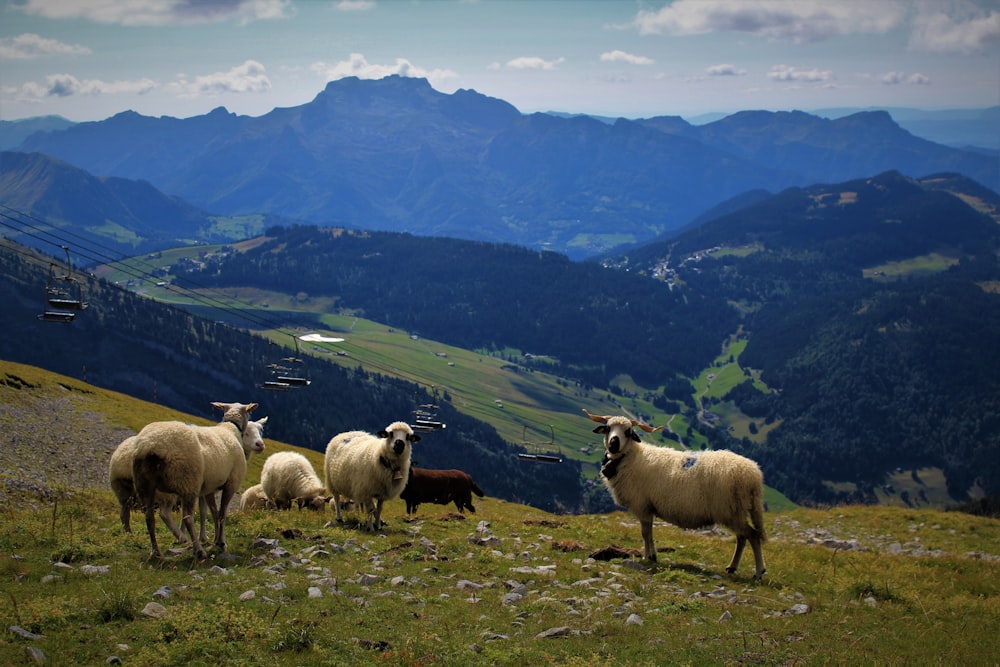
872, 315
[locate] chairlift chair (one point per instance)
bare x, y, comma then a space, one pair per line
63, 294
287, 372
535, 453
425, 416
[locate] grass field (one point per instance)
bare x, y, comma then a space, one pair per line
509, 585
933, 263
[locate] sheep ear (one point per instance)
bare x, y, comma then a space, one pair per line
383, 434
602, 429
414, 438
635, 436
252, 406
262, 421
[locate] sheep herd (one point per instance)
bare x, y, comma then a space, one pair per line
169, 464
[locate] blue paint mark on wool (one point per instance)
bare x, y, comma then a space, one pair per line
690, 461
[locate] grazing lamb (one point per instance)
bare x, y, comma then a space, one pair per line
369, 469
254, 498
194, 462
441, 487
120, 479
288, 477
689, 490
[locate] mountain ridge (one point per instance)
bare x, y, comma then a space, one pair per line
397, 155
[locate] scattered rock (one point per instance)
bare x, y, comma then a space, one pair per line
154, 610
21, 632
554, 633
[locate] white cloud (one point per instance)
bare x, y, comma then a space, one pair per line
67, 85
623, 57
30, 45
798, 20
896, 78
354, 5
249, 77
357, 65
971, 32
725, 69
157, 12
787, 73
534, 62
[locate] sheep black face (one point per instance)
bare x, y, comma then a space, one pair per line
616, 436
399, 439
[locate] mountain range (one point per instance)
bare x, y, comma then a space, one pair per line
394, 154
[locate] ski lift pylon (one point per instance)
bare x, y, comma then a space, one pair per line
63, 294
535, 453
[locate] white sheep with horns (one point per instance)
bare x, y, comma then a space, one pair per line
689, 490
369, 469
120, 480
288, 477
194, 462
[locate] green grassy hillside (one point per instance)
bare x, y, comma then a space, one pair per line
507, 585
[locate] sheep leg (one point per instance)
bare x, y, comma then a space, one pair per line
758, 557
202, 512
166, 513
336, 506
220, 525
151, 528
647, 538
187, 516
126, 516
741, 543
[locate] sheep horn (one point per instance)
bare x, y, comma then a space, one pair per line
596, 418
646, 427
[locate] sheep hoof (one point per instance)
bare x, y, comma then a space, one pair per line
731, 570
652, 558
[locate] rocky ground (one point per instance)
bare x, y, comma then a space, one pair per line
48, 444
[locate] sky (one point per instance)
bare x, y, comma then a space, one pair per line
90, 59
